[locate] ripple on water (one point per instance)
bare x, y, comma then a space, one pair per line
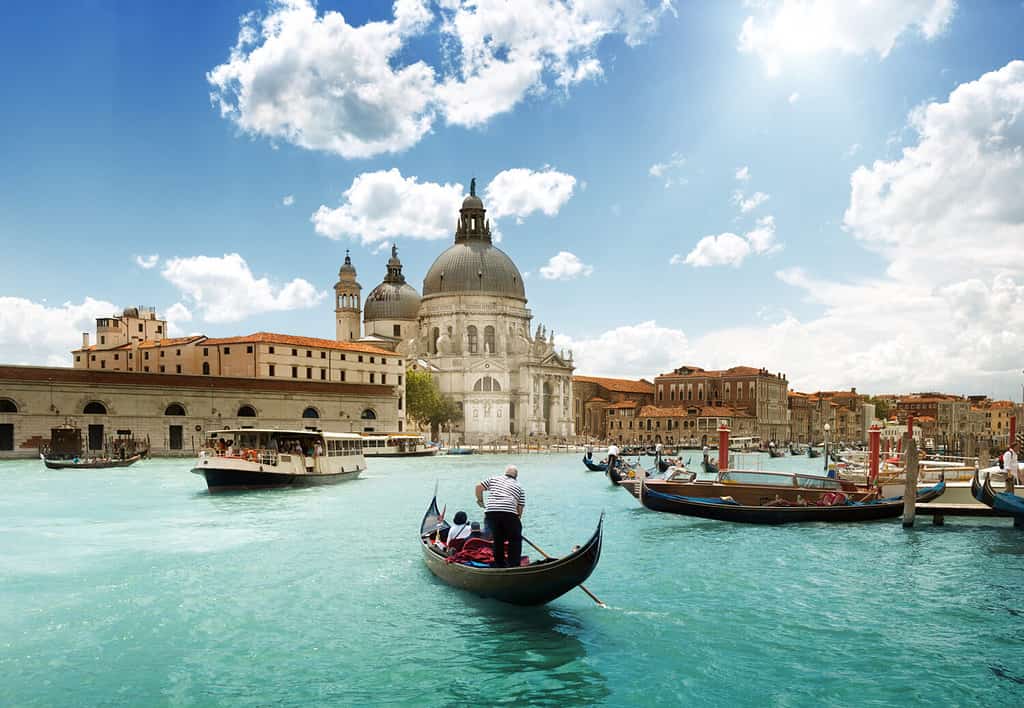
139, 587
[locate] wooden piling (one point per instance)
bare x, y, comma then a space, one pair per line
910, 483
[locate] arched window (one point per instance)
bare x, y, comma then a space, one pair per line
434, 336
487, 383
246, 411
471, 338
689, 393
310, 412
368, 414
8, 406
175, 409
489, 339
206, 368
94, 408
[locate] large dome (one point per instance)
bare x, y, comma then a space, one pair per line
394, 299
474, 268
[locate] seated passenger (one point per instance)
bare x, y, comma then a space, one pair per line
459, 531
474, 530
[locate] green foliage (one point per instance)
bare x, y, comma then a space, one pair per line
425, 404
881, 408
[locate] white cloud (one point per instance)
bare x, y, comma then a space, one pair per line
565, 266
669, 170
793, 28
382, 206
176, 315
147, 262
793, 97
36, 333
317, 82
749, 203
743, 174
762, 236
288, 200
225, 290
631, 351
723, 249
520, 192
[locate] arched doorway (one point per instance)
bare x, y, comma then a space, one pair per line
546, 404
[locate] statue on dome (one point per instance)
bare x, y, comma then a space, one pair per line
472, 187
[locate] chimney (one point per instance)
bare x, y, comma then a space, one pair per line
85, 340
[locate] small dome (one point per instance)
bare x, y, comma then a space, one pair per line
472, 202
392, 301
474, 267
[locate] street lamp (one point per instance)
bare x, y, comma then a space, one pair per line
827, 428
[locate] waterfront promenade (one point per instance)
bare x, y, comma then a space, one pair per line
137, 587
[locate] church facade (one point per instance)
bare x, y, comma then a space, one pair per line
471, 328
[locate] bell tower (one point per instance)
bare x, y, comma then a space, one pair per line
347, 303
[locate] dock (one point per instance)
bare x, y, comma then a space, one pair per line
939, 511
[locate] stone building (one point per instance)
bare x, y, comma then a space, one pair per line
761, 394
471, 330
176, 410
595, 396
809, 413
689, 425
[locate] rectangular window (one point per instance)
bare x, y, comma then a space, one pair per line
206, 351
145, 355
103, 340
343, 357
271, 350
295, 372
371, 360
248, 349
398, 330
130, 355
383, 378
384, 361
78, 358
117, 357
371, 377
177, 352
399, 379
6, 436
159, 329
295, 352
399, 408
342, 375
323, 355
162, 353
103, 364
360, 358
93, 357
162, 368
271, 370
309, 354
227, 350
146, 369
140, 327
323, 374
174, 437
177, 368
309, 372
96, 437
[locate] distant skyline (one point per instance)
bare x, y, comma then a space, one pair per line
823, 188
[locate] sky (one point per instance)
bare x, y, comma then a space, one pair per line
825, 188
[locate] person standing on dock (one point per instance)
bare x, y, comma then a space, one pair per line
503, 514
1010, 464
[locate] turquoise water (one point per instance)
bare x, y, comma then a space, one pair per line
136, 587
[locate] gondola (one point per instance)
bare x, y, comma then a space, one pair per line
595, 466
724, 509
811, 452
538, 583
709, 467
775, 452
1000, 501
100, 464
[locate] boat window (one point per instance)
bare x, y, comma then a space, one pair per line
8, 406
246, 411
310, 412
94, 408
174, 409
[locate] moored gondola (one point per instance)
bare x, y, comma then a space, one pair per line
1000, 501
726, 509
538, 583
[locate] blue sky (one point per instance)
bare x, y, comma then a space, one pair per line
113, 149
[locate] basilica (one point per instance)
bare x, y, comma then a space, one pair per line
471, 329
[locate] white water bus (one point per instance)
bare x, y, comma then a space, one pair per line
397, 445
258, 458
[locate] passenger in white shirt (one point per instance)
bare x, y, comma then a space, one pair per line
460, 528
1010, 465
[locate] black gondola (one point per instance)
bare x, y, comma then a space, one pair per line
811, 452
595, 466
1000, 501
709, 467
775, 452
721, 509
534, 584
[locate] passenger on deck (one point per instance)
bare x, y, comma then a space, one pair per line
459, 531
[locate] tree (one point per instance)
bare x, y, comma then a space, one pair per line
426, 405
881, 408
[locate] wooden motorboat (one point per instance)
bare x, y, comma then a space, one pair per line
538, 583
760, 487
261, 458
728, 509
589, 463
1006, 502
460, 451
100, 463
397, 445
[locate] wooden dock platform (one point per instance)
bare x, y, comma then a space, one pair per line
939, 511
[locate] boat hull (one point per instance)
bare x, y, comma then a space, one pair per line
418, 453
595, 466
69, 465
534, 584
220, 479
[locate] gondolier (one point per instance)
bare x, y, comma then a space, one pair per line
1010, 463
613, 455
503, 511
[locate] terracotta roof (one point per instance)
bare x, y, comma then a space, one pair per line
624, 404
683, 412
93, 377
617, 385
595, 399
291, 340
144, 344
699, 373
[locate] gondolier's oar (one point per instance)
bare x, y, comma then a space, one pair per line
581, 585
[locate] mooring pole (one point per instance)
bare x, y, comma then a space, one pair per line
723, 446
874, 438
910, 483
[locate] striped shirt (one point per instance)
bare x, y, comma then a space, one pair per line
503, 494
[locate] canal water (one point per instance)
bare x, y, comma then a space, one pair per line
137, 587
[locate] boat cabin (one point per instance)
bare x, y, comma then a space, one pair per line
266, 445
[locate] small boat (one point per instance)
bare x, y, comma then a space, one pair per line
727, 509
1006, 502
264, 458
811, 452
461, 451
775, 452
89, 463
64, 450
538, 583
709, 467
589, 463
397, 445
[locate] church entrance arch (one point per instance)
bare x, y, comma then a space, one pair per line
546, 405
